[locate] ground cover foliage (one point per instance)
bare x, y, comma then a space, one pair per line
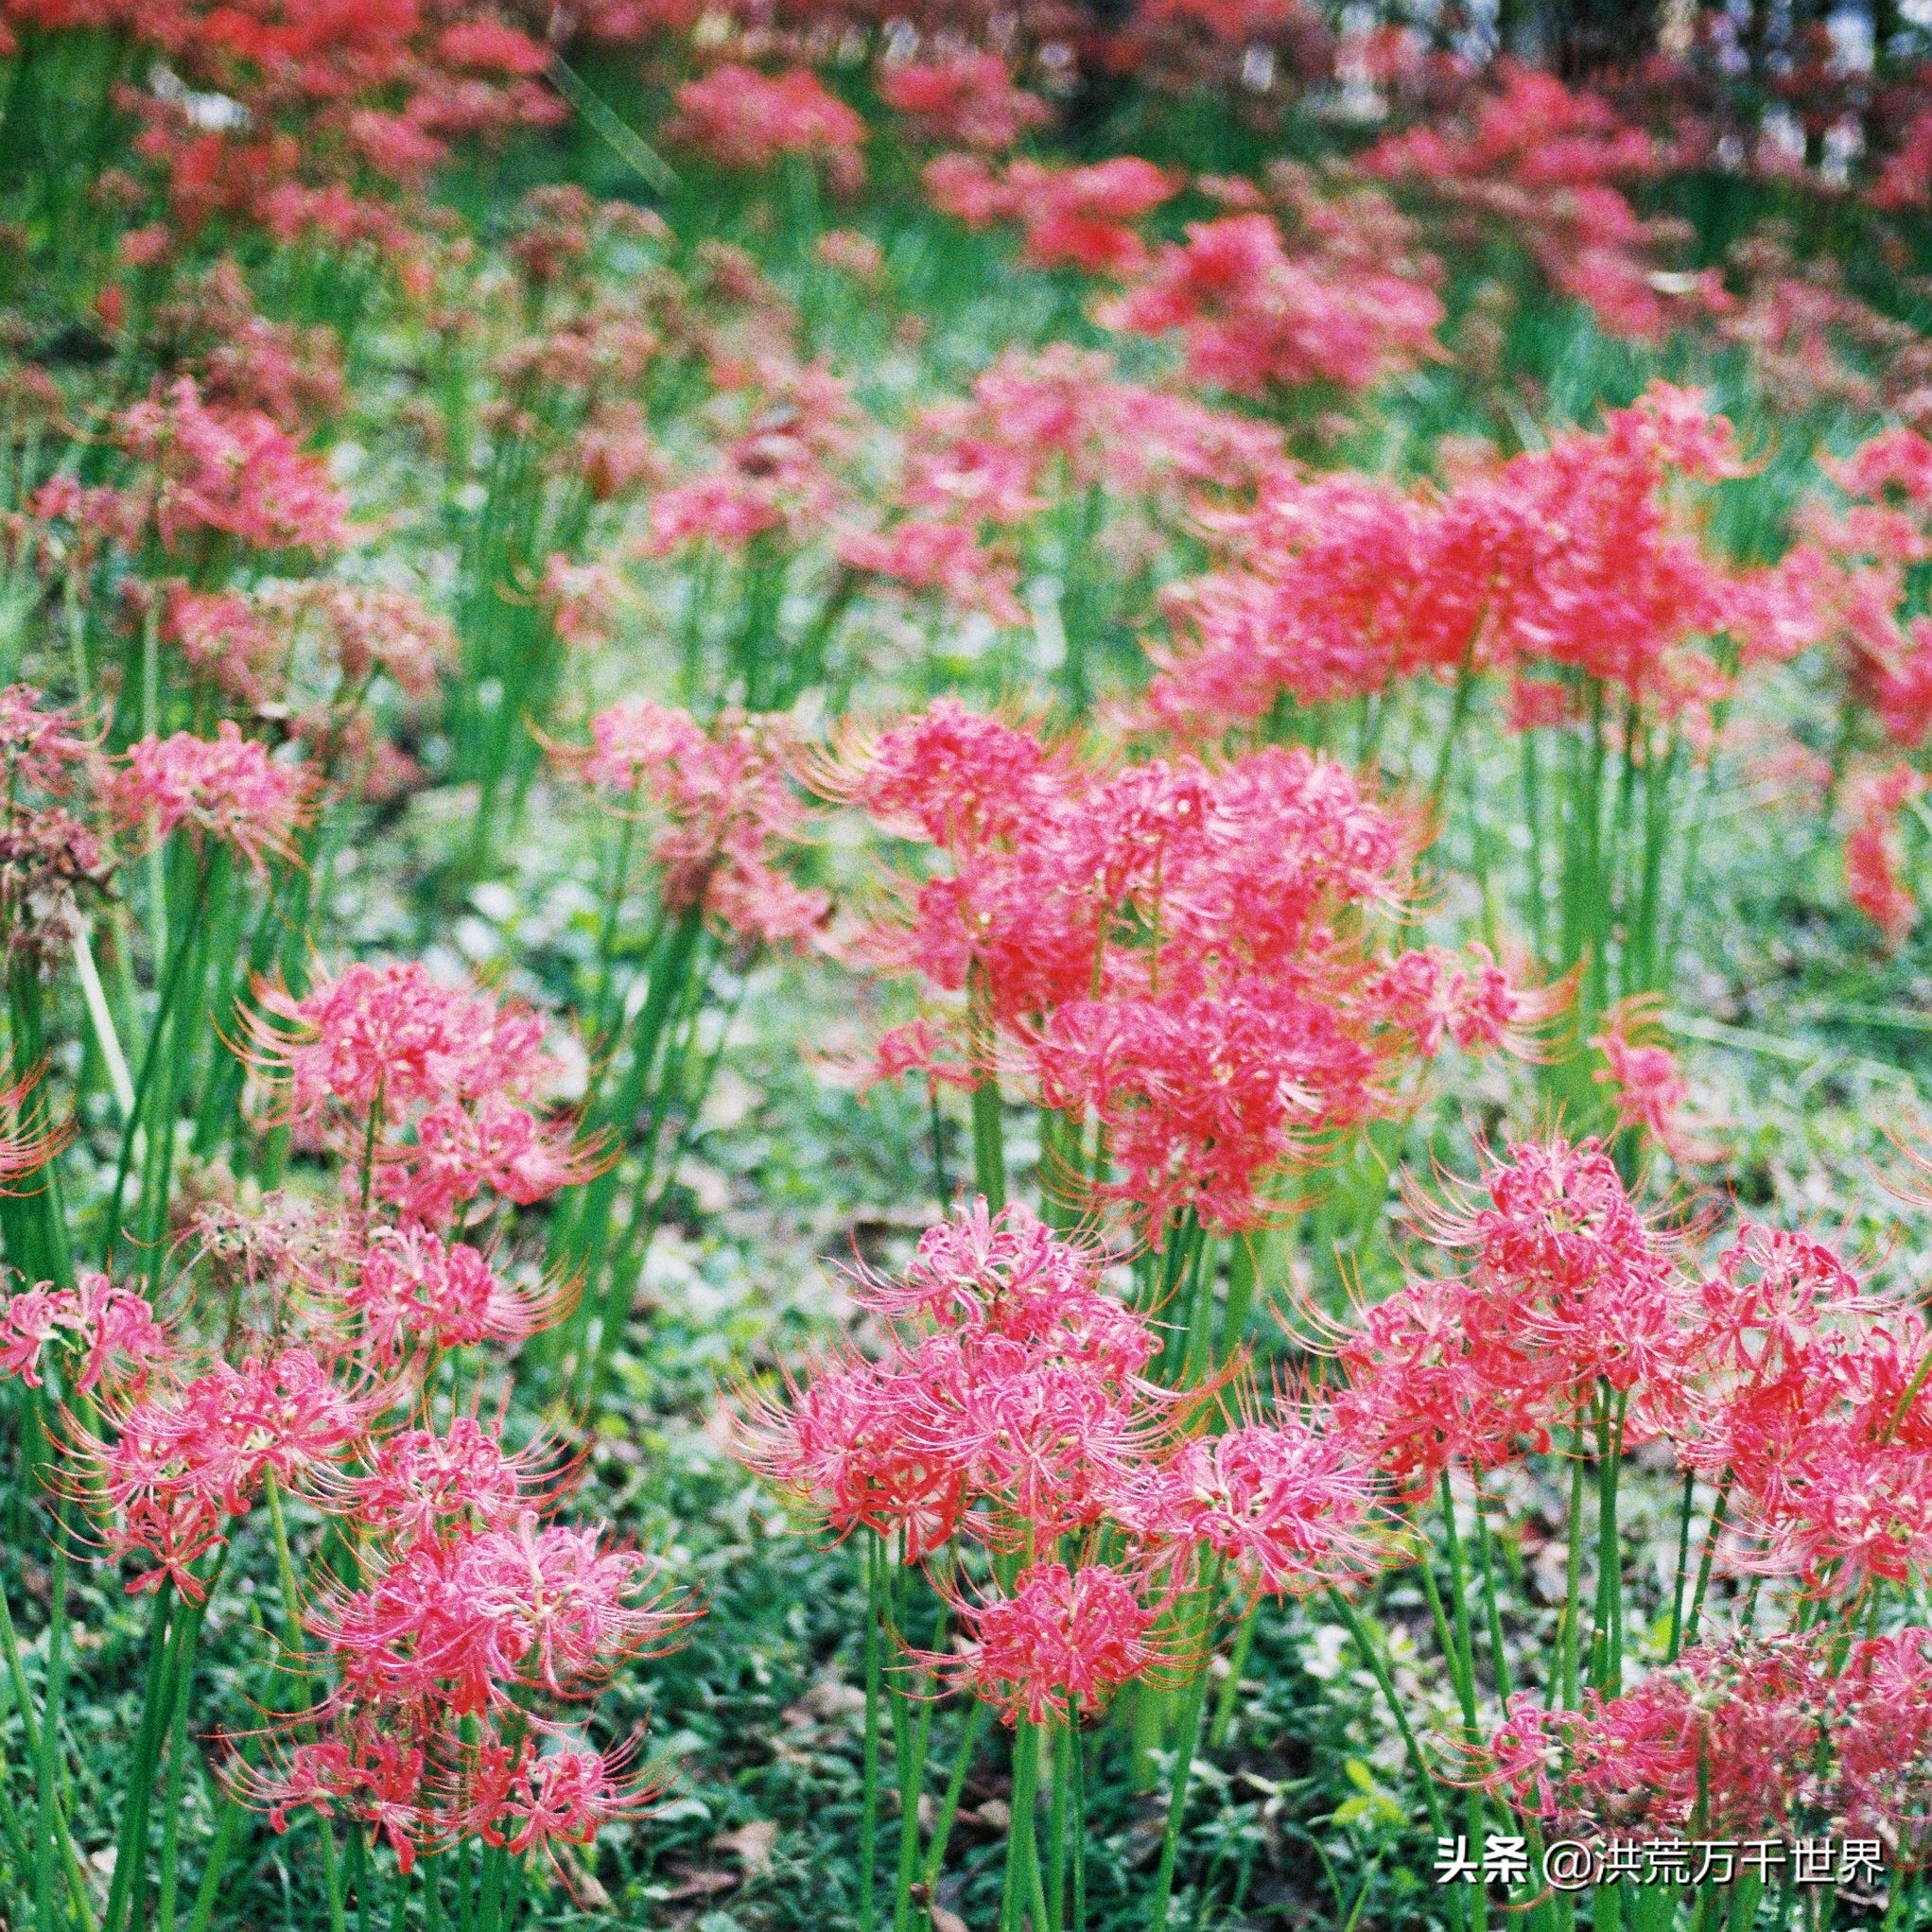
963, 967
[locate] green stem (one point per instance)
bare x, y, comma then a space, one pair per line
955, 1788
1357, 1626
868, 1828
1189, 1743
228, 1824
291, 1625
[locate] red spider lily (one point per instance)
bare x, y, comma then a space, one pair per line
970, 98
1039, 425
1826, 1442
362, 1771
187, 1454
1757, 1738
1289, 1506
727, 806
367, 628
385, 1038
1567, 1283
422, 1791
1253, 316
1546, 163
1874, 860
488, 1145
227, 790
411, 1289
1575, 558
230, 471
839, 1445
43, 750
1648, 1086
423, 1485
740, 119
1163, 949
777, 474
28, 1143
537, 1800
1073, 217
943, 557
1059, 1644
468, 1624
1017, 1397
225, 638
114, 1330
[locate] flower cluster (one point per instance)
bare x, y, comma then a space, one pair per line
227, 790
1647, 1084
980, 473
1180, 953
1014, 1408
970, 99
204, 469
1080, 218
51, 851
743, 119
1875, 865
1567, 1283
1253, 316
774, 470
726, 806
1770, 1374
1779, 1738
1546, 166
1573, 561
430, 1090
112, 1329
339, 114
459, 1659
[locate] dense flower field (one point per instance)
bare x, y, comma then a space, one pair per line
963, 968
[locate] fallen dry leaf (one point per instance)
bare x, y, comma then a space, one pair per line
751, 1844
704, 1884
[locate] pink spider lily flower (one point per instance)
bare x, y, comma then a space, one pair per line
1059, 1644
561, 1797
175, 1463
946, 558
968, 97
742, 119
392, 1034
727, 810
1567, 1283
1251, 314
28, 1143
226, 789
1647, 1084
1012, 1401
490, 1145
227, 639
1290, 1507
43, 750
841, 1448
1874, 853
114, 1330
358, 1772
424, 1486
412, 1289
227, 472
1752, 1738
472, 1622
1188, 955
